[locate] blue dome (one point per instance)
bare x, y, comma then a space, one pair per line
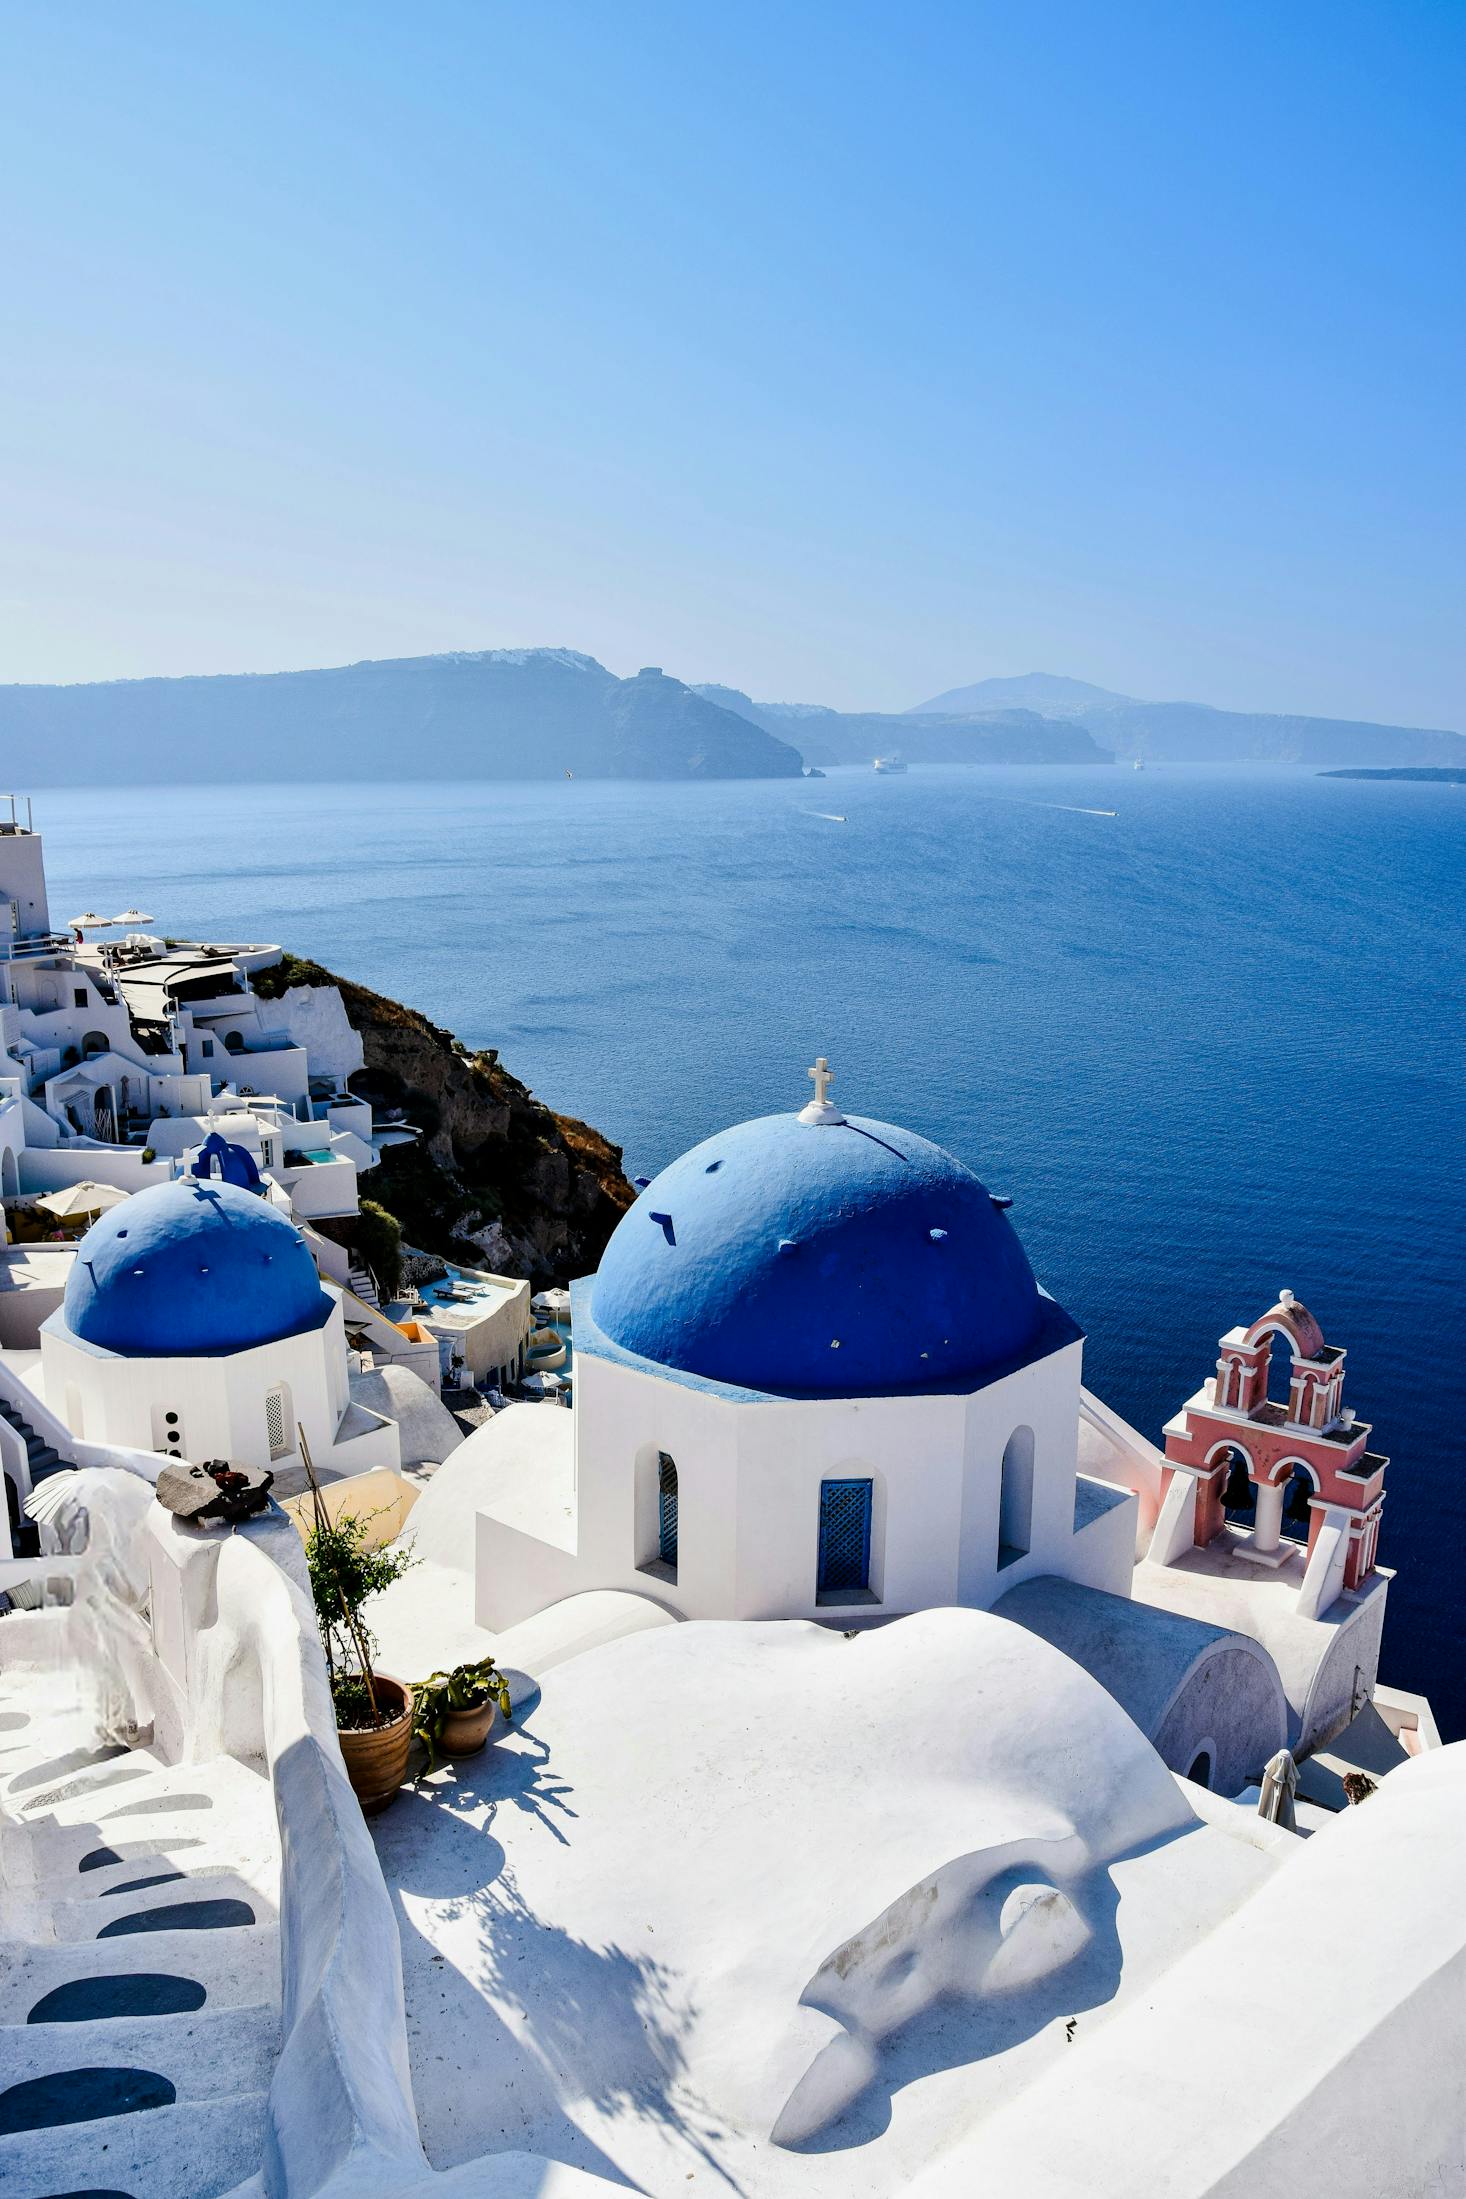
842, 1259
192, 1270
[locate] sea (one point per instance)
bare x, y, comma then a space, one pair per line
1203, 1025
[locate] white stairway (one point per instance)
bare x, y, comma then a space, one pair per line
139, 1963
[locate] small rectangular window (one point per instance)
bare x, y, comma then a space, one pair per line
844, 1548
79, 996
206, 1047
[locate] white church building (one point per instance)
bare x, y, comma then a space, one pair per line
195, 1324
815, 1377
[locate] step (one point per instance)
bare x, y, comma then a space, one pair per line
217, 1901
210, 2054
43, 1782
193, 2150
235, 1969
65, 1862
146, 1790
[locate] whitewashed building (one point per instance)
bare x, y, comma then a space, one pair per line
195, 1325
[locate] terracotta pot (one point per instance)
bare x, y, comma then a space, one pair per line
466, 1731
376, 1757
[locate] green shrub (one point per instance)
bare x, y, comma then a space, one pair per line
379, 1245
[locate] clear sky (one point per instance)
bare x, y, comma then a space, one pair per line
843, 351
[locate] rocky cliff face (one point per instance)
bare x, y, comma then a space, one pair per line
497, 1179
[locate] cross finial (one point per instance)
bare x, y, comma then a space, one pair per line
821, 1109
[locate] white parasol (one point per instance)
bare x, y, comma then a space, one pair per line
81, 1198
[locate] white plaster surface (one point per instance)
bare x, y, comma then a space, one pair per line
1111, 1450
1327, 1665
426, 1429
315, 1018
427, 1620
1348, 1968
724, 1881
750, 1470
1192, 1688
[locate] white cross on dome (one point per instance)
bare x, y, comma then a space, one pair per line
821, 1109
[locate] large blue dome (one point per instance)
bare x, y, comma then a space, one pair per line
833, 1259
192, 1270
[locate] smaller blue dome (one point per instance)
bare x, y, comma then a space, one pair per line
192, 1270
849, 1259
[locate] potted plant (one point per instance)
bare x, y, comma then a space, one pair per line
453, 1711
373, 1711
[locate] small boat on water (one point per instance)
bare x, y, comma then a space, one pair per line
887, 765
1138, 765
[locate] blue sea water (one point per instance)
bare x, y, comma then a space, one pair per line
1211, 1045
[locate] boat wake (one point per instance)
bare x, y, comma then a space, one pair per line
1072, 809
830, 816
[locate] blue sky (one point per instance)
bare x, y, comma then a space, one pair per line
843, 352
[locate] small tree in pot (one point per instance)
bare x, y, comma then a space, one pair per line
373, 1711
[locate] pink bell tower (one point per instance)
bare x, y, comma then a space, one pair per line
1314, 1435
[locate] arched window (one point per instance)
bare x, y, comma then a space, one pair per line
1015, 1501
656, 1512
1280, 1371
95, 1042
667, 1510
234, 1042
1239, 1498
1297, 1517
279, 1421
1200, 1770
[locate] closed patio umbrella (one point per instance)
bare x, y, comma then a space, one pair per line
81, 1198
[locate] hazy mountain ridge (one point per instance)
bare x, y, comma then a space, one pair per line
527, 714
1193, 732
511, 714
857, 736
1050, 692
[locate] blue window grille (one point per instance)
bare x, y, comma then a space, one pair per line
666, 1509
844, 1562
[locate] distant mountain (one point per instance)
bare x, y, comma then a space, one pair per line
1193, 732
485, 714
1050, 692
515, 714
857, 736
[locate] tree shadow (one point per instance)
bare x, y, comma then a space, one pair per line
513, 2019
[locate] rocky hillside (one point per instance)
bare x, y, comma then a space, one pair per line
497, 1179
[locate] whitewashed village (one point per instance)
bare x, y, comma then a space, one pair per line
747, 1719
